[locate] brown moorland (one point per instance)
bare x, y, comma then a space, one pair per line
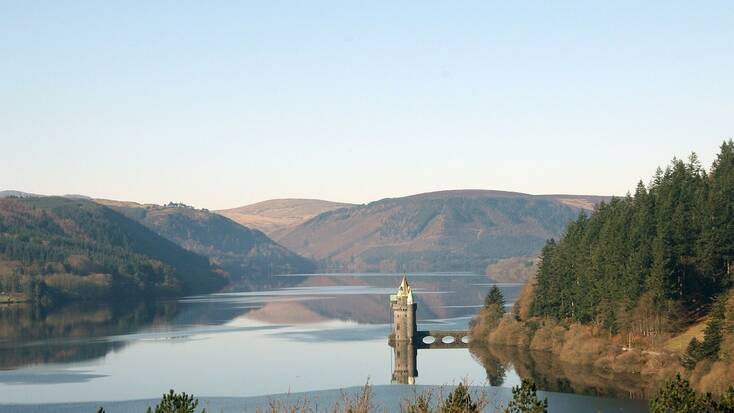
460, 230
276, 217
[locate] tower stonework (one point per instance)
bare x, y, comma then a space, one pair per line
403, 308
405, 339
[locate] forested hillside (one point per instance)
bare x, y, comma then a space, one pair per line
642, 285
248, 255
464, 230
665, 252
54, 248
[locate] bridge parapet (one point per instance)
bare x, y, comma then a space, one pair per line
442, 339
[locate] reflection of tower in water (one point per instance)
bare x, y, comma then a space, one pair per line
404, 370
405, 339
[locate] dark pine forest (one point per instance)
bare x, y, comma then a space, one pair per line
650, 261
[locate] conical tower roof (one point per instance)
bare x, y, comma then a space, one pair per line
405, 290
404, 284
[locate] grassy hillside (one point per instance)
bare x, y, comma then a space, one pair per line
246, 254
277, 217
439, 231
56, 248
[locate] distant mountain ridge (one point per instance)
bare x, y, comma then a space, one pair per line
452, 230
246, 254
21, 194
16, 194
277, 217
456, 230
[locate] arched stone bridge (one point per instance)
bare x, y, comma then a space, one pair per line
437, 339
442, 339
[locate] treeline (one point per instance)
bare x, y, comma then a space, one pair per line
646, 261
462, 399
249, 256
56, 248
676, 395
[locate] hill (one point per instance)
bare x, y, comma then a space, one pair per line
464, 230
277, 217
20, 194
57, 248
247, 255
17, 194
642, 284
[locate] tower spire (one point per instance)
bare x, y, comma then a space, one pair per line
405, 291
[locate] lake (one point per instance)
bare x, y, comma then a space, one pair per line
315, 333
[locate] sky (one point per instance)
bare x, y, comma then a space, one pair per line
224, 103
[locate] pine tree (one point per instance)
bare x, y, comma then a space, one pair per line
459, 401
713, 334
525, 399
495, 299
692, 355
726, 403
421, 404
173, 402
675, 396
718, 243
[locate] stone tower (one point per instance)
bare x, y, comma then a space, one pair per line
403, 308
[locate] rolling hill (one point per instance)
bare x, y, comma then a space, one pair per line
277, 217
20, 194
464, 230
57, 248
16, 194
247, 255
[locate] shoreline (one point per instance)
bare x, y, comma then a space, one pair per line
388, 396
588, 346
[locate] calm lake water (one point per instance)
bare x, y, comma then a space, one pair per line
314, 333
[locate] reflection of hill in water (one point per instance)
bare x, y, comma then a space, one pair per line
367, 299
552, 374
75, 332
88, 330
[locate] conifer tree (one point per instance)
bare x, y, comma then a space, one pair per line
713, 334
675, 396
494, 308
459, 401
692, 355
525, 399
726, 403
495, 299
173, 402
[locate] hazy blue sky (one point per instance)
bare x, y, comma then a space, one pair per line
219, 104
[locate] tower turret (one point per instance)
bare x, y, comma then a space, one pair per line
403, 307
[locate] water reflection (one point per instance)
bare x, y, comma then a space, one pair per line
405, 367
84, 331
552, 374
30, 335
133, 350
